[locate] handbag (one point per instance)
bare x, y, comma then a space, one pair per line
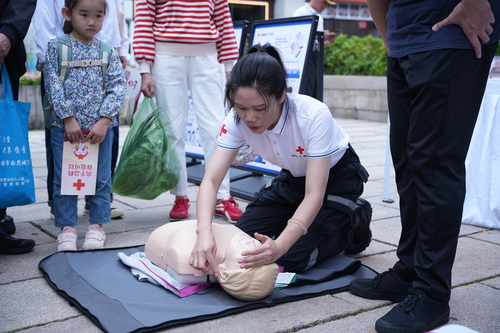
17, 185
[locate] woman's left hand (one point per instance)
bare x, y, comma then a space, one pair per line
267, 253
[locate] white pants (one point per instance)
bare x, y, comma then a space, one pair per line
173, 76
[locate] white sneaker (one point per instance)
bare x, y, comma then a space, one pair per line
115, 212
67, 239
95, 237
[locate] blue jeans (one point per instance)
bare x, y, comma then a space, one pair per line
65, 206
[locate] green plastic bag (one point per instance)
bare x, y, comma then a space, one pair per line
147, 166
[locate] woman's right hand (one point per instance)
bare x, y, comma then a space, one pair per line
148, 85
203, 253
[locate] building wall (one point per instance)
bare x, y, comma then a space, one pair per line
285, 8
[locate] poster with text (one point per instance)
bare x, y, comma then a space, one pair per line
79, 167
292, 39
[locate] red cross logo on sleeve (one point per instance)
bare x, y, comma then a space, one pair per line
223, 130
300, 150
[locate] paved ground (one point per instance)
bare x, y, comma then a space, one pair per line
28, 304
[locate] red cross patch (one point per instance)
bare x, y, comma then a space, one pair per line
223, 130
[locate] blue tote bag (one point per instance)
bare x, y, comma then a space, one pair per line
17, 186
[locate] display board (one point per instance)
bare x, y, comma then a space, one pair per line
298, 42
241, 33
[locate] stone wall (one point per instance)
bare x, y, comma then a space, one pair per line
356, 97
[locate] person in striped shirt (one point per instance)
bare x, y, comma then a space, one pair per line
180, 46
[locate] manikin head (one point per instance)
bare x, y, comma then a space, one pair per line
245, 284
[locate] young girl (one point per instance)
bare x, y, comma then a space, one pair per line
306, 214
84, 102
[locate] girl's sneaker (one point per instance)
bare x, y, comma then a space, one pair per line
67, 239
95, 237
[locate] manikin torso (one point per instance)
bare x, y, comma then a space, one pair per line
170, 246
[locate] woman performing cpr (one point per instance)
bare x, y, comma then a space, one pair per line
311, 210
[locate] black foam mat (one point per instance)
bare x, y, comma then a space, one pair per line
104, 289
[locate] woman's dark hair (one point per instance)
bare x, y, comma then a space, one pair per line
70, 4
261, 69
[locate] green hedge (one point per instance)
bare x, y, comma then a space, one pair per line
357, 56
30, 79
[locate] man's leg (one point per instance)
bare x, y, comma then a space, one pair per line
446, 88
49, 156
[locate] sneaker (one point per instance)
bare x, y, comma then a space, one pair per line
11, 245
361, 227
8, 225
385, 286
67, 239
180, 211
95, 237
416, 313
229, 209
115, 212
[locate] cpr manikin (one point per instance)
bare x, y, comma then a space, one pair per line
169, 247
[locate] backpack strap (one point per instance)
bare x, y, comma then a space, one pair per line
65, 56
105, 50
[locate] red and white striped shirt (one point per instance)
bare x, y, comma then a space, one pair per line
183, 22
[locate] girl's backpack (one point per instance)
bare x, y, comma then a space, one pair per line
65, 63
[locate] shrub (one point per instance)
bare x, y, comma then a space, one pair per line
30, 79
356, 56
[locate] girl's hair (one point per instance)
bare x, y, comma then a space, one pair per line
70, 4
261, 69
249, 285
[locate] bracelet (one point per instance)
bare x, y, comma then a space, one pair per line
300, 224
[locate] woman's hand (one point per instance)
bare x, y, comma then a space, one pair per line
267, 253
203, 253
148, 85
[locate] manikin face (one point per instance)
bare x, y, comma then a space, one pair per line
239, 243
257, 113
86, 18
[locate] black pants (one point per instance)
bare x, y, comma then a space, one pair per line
331, 231
434, 99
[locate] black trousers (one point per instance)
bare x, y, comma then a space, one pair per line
331, 231
434, 99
